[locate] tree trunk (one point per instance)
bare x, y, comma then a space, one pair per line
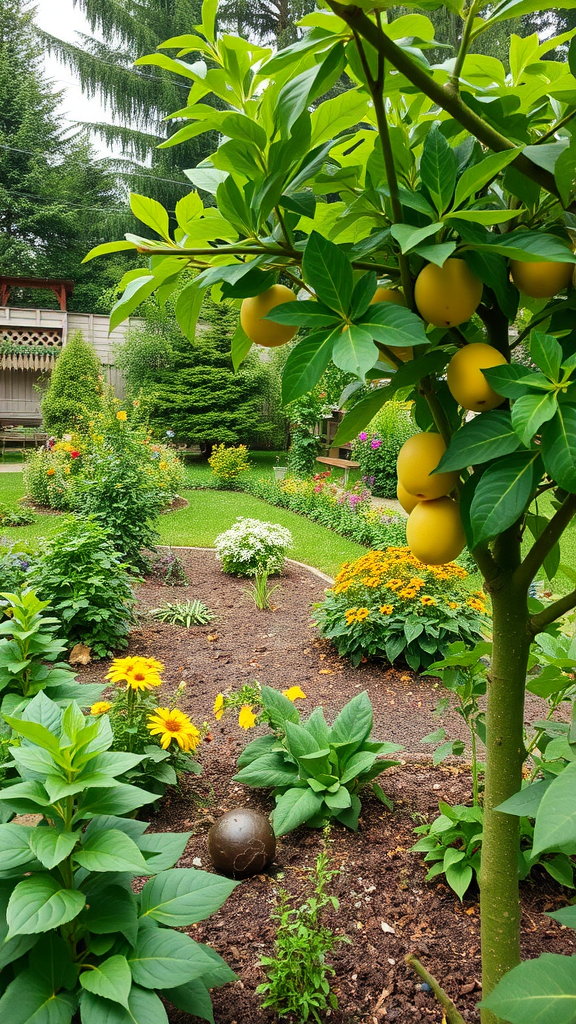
499, 894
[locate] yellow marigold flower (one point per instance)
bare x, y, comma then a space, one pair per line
51, 471
452, 604
138, 673
294, 693
426, 600
386, 609
163, 465
476, 604
100, 707
246, 718
122, 415
219, 707
174, 725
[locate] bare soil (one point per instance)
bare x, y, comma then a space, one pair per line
387, 908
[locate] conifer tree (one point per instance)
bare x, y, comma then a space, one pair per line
75, 390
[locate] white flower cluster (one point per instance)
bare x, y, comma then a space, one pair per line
251, 546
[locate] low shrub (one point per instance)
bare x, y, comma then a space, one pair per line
75, 936
48, 477
169, 570
15, 517
389, 605
229, 463
377, 447
251, 546
88, 586
15, 561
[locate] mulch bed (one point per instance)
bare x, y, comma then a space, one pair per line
387, 908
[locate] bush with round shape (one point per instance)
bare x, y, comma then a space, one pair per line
229, 463
75, 391
467, 383
434, 532
266, 332
251, 546
389, 605
447, 296
49, 479
417, 459
541, 279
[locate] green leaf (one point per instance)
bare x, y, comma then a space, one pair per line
136, 291
151, 213
354, 350
484, 438
327, 270
293, 808
241, 345
530, 246
530, 412
299, 741
122, 799
52, 847
15, 848
110, 979
505, 380
194, 998
183, 896
555, 826
36, 733
307, 313
357, 764
547, 353
188, 306
144, 1008
162, 849
31, 1000
408, 236
502, 495
354, 723
106, 247
438, 168
542, 990
527, 801
559, 447
393, 325
475, 178
114, 910
268, 770
338, 801
279, 708
164, 958
459, 877
306, 363
484, 216
40, 903
110, 851
566, 916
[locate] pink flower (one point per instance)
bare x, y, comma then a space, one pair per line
318, 488
363, 436
375, 443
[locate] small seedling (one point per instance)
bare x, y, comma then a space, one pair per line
183, 613
260, 592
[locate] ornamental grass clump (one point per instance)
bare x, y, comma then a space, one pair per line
389, 605
251, 547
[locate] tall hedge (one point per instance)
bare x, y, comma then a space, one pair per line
75, 390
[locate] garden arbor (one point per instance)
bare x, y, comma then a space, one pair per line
410, 166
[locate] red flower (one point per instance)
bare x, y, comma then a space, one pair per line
74, 455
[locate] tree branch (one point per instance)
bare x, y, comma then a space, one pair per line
244, 250
542, 547
452, 103
451, 1014
549, 615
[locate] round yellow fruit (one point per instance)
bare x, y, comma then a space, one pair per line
266, 332
449, 295
434, 531
541, 280
467, 383
389, 295
408, 501
417, 458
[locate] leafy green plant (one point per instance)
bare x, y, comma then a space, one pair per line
88, 586
260, 591
317, 771
251, 546
74, 934
15, 516
183, 613
377, 447
229, 463
74, 393
15, 561
297, 984
29, 649
452, 844
49, 480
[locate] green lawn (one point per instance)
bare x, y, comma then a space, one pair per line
198, 471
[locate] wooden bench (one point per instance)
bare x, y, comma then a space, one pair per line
345, 464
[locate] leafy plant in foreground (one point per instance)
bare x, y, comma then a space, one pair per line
73, 933
183, 613
317, 771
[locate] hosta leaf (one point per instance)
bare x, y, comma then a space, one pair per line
486, 437
541, 991
182, 896
268, 770
559, 447
502, 494
354, 723
40, 903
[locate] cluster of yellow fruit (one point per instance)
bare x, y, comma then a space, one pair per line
434, 530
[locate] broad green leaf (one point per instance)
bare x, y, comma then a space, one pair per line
527, 801
541, 991
183, 896
293, 808
278, 707
354, 350
502, 495
307, 313
408, 236
107, 247
306, 363
122, 799
151, 213
483, 216
299, 741
475, 178
40, 903
52, 847
566, 916
506, 380
162, 849
530, 246
268, 770
393, 325
559, 447
188, 306
530, 412
15, 844
486, 437
459, 877
357, 764
110, 851
438, 168
194, 998
50, 960
547, 354
354, 723
556, 820
135, 292
31, 1000
327, 270
564, 168
144, 1008
35, 732
110, 979
114, 910
337, 114
164, 958
338, 801
493, 271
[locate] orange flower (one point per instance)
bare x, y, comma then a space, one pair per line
51, 471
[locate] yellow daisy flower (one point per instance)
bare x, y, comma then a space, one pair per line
426, 600
121, 415
452, 604
386, 609
174, 725
362, 614
138, 673
219, 707
246, 718
100, 707
294, 693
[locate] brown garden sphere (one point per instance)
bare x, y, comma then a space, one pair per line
449, 295
467, 383
241, 843
266, 332
541, 280
434, 531
417, 458
408, 501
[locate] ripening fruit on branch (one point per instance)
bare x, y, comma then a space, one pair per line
449, 295
408, 501
389, 295
541, 280
467, 383
417, 458
434, 531
266, 332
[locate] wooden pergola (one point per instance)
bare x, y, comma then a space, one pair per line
61, 289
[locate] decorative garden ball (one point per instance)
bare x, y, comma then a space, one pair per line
241, 843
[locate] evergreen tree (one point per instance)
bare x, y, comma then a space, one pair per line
270, 21
75, 390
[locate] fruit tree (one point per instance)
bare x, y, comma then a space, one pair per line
449, 188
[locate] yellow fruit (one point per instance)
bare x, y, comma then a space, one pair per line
434, 531
266, 332
541, 280
466, 381
389, 295
418, 456
447, 296
408, 501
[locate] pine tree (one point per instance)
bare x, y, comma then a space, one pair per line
271, 21
75, 390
